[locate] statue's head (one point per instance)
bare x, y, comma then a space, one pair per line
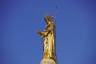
48, 19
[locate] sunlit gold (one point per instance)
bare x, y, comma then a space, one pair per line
48, 41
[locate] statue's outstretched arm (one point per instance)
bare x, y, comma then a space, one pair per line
41, 33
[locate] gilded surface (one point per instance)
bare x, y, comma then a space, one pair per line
48, 39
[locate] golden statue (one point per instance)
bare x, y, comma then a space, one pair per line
47, 35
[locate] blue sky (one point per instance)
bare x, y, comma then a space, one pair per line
75, 30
